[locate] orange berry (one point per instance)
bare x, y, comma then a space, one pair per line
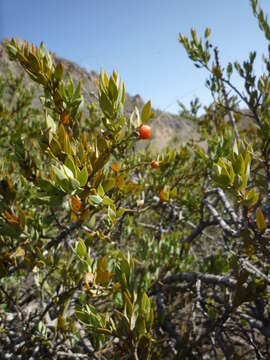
115, 167
154, 164
144, 132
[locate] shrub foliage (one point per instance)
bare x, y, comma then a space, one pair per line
105, 256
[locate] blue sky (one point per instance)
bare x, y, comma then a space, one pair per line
138, 38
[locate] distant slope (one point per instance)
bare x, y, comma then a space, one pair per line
165, 127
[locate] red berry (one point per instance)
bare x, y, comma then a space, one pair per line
154, 164
144, 132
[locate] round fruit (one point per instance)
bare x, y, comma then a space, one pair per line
154, 164
144, 132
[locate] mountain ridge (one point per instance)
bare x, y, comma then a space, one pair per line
167, 128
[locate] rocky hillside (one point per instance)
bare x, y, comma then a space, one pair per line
166, 127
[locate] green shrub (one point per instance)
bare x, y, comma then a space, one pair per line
103, 255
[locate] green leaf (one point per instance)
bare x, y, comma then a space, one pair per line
96, 199
207, 32
140, 325
123, 95
84, 317
81, 249
235, 148
107, 201
83, 176
109, 184
260, 220
106, 105
59, 173
50, 124
70, 86
68, 172
113, 89
224, 172
145, 306
12, 51
70, 164
62, 90
111, 213
47, 186
104, 78
121, 211
173, 192
55, 147
77, 93
229, 68
100, 190
59, 72
35, 66
251, 198
92, 221
146, 112
74, 183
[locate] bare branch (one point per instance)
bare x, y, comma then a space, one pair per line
220, 221
208, 279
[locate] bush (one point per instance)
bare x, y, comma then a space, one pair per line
104, 256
